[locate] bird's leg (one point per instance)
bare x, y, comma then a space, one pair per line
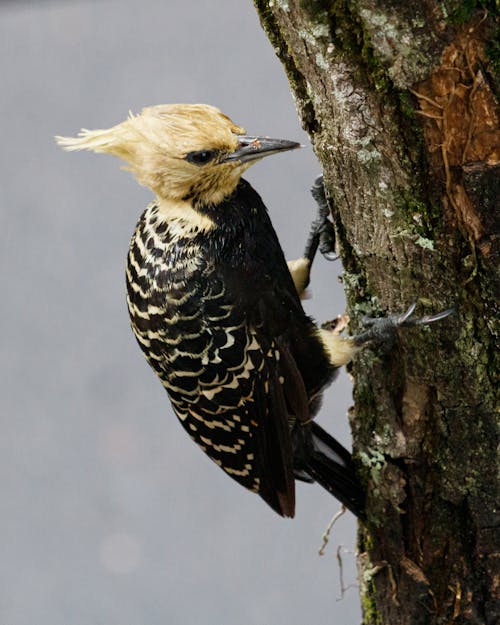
381, 332
321, 235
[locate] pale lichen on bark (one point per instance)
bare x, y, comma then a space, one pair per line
401, 103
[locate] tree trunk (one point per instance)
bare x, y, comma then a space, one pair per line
401, 102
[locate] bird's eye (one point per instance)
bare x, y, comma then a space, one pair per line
201, 157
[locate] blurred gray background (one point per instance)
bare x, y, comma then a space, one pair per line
109, 513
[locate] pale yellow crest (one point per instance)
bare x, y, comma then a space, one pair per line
155, 143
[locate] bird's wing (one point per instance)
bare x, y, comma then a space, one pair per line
239, 413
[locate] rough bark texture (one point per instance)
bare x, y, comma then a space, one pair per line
401, 102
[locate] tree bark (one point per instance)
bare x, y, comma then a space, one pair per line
401, 103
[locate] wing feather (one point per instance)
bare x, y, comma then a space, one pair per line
242, 421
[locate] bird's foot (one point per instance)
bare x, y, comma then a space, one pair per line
322, 233
383, 330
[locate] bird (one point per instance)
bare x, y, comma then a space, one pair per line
217, 310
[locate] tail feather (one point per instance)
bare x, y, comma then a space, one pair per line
331, 466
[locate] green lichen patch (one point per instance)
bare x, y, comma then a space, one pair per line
420, 216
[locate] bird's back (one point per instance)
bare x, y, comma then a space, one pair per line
216, 313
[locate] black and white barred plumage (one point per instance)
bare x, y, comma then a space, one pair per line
219, 320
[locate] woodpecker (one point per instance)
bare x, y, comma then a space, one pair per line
217, 310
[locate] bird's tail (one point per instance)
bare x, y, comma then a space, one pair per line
331, 466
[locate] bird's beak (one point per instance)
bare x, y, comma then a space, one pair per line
252, 148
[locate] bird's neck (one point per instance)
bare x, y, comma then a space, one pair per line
181, 215
218, 231
190, 217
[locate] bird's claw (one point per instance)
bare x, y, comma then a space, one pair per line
327, 241
322, 231
318, 192
383, 329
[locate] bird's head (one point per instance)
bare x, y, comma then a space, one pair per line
181, 151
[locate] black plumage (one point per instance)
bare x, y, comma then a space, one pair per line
236, 352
